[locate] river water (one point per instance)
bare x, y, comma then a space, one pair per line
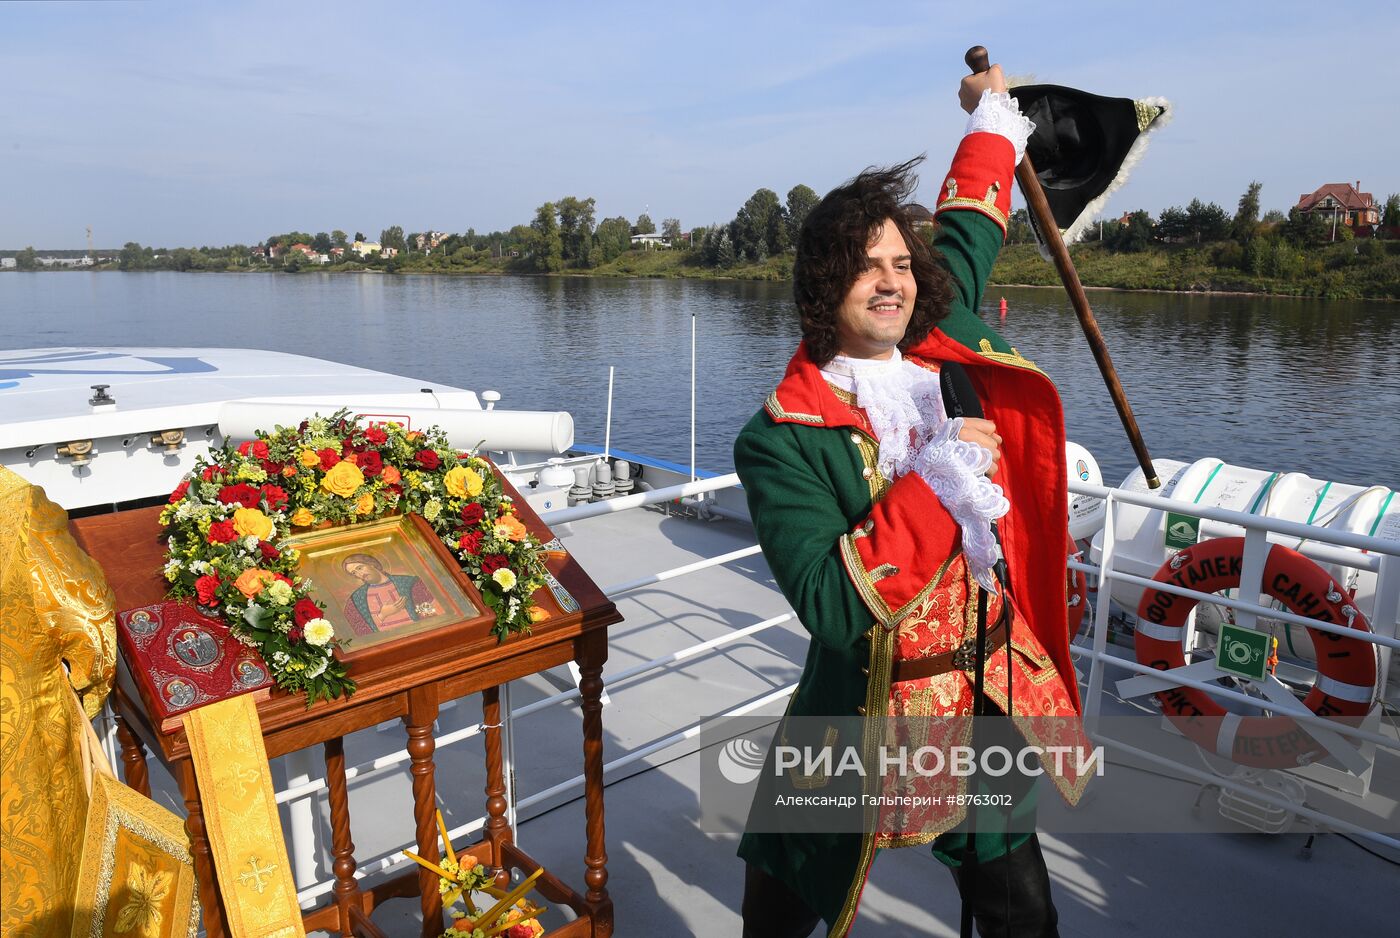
1272, 383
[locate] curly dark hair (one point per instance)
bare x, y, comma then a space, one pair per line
831, 255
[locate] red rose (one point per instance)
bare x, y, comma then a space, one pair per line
428, 459
245, 447
329, 457
472, 513
347, 446
180, 491
293, 635
395, 488
493, 562
268, 551
284, 578
471, 541
272, 468
260, 450
371, 464
221, 532
210, 471
205, 587
240, 494
275, 495
376, 436
304, 611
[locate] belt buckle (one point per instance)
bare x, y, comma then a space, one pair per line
965, 657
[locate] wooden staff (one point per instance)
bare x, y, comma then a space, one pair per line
977, 60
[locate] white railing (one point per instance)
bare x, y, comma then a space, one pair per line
1322, 544
297, 794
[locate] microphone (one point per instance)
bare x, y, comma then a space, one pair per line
960, 400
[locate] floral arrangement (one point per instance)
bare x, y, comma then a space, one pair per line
227, 523
460, 877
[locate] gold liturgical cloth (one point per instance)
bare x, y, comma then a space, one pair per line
55, 606
240, 819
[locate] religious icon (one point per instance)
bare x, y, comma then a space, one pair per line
179, 693
384, 600
381, 580
196, 648
249, 673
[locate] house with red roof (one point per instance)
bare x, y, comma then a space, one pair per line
1342, 202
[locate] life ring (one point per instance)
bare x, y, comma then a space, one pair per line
1346, 667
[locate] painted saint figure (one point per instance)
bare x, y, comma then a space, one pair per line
384, 601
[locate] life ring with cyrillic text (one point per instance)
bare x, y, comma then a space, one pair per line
1346, 667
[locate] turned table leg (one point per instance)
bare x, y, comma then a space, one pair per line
347, 891
209, 899
422, 711
134, 767
497, 830
592, 652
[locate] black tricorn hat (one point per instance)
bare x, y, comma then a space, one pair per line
1083, 147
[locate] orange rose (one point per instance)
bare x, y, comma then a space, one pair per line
538, 614
302, 517
390, 475
365, 504
289, 471
510, 528
250, 582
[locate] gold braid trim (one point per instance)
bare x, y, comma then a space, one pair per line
1013, 358
877, 701
775, 410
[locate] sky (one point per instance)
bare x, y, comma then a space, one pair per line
198, 123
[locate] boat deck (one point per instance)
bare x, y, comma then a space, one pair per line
667, 877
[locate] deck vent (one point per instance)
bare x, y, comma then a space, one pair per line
603, 486
622, 477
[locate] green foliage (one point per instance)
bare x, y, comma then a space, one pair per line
1206, 221
760, 227
671, 230
1246, 219
1171, 224
1274, 217
322, 243
801, 200
547, 246
1130, 238
338, 239
28, 259
1018, 229
1303, 228
645, 225
1390, 216
576, 230
392, 237
612, 239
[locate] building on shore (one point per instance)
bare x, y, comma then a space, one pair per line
1342, 203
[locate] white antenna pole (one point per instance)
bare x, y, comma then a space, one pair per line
692, 397
607, 432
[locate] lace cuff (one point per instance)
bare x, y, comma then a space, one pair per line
954, 470
999, 113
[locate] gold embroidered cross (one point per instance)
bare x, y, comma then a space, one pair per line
256, 877
243, 777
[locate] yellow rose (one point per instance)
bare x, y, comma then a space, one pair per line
252, 521
250, 582
365, 504
308, 458
343, 479
462, 482
538, 613
302, 517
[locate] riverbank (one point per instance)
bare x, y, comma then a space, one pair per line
1345, 270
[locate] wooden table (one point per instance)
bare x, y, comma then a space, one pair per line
126, 544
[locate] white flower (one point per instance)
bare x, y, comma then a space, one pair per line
200, 567
250, 543
280, 658
319, 667
505, 578
318, 632
172, 570
278, 592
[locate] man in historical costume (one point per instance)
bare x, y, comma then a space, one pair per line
55, 607
383, 601
874, 510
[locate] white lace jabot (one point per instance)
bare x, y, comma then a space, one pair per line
905, 405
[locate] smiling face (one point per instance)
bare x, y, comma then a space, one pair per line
871, 320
